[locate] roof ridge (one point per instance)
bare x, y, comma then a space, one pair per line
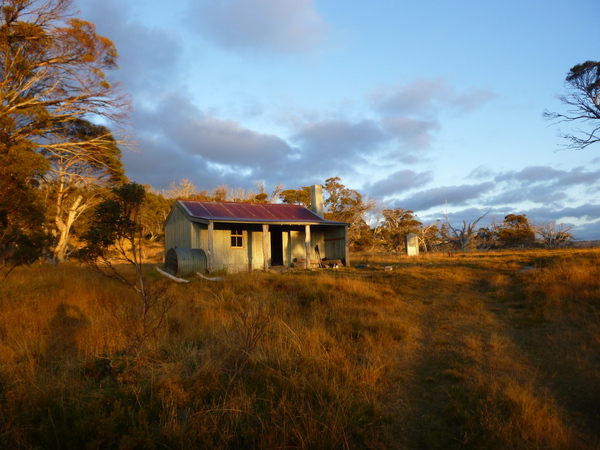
246, 203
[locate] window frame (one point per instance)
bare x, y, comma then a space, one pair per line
237, 238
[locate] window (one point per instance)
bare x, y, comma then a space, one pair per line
237, 240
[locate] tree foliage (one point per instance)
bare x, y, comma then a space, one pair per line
554, 235
53, 71
583, 104
22, 238
395, 225
186, 189
154, 214
115, 222
115, 233
461, 235
297, 196
77, 175
52, 79
348, 205
516, 232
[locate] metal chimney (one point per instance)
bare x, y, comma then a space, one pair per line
316, 199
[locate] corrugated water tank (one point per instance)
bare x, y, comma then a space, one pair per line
181, 262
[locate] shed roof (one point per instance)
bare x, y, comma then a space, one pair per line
252, 212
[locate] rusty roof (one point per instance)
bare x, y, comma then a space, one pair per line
252, 212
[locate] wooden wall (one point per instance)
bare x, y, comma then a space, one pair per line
180, 232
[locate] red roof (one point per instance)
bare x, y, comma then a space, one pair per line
252, 212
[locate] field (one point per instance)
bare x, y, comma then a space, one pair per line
495, 350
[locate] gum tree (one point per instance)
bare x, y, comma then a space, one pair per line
462, 235
53, 71
583, 104
516, 232
113, 240
77, 177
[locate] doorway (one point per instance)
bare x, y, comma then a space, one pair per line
276, 233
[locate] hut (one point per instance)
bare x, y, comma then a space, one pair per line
238, 237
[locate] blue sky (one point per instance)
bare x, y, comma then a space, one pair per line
432, 106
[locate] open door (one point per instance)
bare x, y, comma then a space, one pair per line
276, 245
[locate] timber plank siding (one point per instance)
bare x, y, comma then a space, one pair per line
271, 234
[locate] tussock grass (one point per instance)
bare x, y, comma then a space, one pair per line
444, 351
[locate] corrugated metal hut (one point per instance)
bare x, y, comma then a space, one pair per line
246, 236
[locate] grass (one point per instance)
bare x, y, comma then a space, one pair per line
485, 350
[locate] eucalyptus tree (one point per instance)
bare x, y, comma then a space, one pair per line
77, 176
395, 225
516, 232
115, 236
462, 235
53, 71
553, 235
583, 104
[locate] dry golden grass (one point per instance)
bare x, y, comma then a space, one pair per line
484, 350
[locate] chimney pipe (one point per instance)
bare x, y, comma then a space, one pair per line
316, 199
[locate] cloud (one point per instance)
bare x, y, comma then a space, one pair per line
411, 112
587, 211
265, 25
335, 145
472, 100
588, 231
412, 133
222, 145
439, 196
149, 58
427, 97
228, 142
399, 181
531, 194
418, 98
549, 176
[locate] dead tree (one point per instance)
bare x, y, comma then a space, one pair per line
462, 236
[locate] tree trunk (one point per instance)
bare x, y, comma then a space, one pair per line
64, 228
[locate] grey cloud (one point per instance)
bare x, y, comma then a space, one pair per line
150, 58
481, 172
271, 25
453, 195
338, 144
399, 181
426, 97
587, 232
411, 111
530, 193
413, 133
579, 175
473, 100
547, 176
223, 145
529, 174
417, 98
586, 211
153, 166
227, 142
536, 174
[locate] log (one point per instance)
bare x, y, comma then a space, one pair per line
209, 279
174, 278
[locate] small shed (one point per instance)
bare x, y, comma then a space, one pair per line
245, 236
412, 244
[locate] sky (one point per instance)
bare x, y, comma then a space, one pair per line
434, 106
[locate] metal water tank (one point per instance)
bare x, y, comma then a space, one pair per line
181, 262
